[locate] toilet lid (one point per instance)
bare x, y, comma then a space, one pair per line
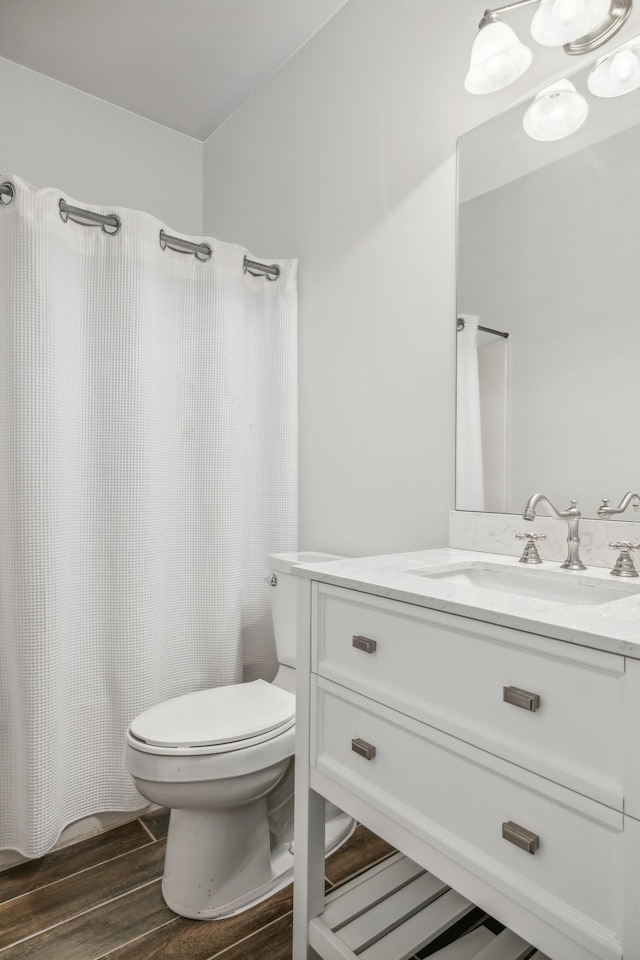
222, 715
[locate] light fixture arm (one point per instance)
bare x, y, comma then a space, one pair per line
617, 15
492, 15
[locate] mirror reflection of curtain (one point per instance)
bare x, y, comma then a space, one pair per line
469, 469
493, 372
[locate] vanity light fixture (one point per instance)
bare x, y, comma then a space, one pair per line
498, 57
617, 74
556, 112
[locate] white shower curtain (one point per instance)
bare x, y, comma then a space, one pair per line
148, 439
469, 465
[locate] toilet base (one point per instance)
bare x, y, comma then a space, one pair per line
185, 891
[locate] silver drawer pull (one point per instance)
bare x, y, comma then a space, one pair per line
521, 698
363, 749
522, 838
364, 643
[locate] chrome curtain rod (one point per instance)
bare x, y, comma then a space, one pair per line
111, 224
108, 222
497, 333
201, 251
269, 270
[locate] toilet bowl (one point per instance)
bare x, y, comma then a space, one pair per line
222, 761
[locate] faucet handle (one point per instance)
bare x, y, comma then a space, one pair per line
530, 553
624, 566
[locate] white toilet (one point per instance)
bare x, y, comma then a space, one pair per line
222, 761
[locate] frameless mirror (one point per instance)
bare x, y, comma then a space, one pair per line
548, 254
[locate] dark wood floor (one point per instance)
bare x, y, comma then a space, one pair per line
100, 899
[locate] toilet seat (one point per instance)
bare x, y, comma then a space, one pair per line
217, 720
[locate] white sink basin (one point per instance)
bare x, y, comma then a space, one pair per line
561, 586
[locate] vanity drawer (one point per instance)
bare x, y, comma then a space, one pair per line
451, 672
460, 800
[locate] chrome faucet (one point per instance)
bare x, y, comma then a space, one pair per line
572, 516
604, 510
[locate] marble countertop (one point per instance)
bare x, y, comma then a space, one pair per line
610, 626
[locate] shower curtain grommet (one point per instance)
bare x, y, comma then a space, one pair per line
7, 190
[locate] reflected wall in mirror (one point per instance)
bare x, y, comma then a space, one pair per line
548, 253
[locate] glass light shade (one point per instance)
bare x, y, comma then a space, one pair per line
617, 74
497, 59
557, 22
556, 112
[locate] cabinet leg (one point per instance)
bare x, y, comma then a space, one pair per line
308, 869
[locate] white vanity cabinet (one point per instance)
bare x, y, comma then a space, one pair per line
499, 760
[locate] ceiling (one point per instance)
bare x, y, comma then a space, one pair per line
187, 64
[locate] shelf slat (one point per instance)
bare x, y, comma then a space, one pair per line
467, 947
367, 891
420, 929
506, 946
396, 909
377, 925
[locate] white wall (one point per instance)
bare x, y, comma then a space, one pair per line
346, 159
55, 136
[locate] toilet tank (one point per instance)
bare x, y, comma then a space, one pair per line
285, 595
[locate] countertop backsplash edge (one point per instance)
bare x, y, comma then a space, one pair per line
496, 533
